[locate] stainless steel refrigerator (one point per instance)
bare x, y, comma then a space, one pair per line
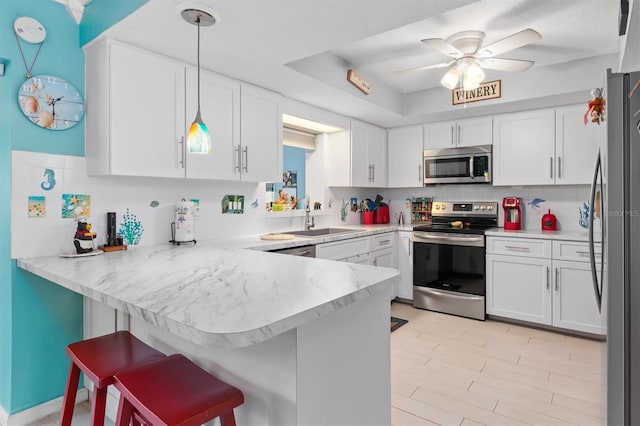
617, 275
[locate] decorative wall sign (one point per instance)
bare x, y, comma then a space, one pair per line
357, 80
487, 90
233, 204
50, 102
37, 206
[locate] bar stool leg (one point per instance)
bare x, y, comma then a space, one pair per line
98, 406
125, 413
69, 401
228, 419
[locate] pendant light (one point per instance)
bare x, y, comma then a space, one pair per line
198, 138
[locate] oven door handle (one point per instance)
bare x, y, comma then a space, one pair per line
449, 294
472, 241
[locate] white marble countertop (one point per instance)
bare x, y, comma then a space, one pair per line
215, 294
536, 233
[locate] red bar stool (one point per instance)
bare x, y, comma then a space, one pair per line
99, 359
174, 391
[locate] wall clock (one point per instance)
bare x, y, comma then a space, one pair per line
51, 102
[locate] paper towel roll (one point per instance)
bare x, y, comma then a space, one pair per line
184, 221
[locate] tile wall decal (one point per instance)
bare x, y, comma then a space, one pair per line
48, 180
37, 206
76, 205
131, 228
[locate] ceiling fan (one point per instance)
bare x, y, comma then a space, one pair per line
469, 56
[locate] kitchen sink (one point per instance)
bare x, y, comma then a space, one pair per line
321, 232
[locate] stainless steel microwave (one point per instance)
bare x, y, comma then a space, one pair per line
458, 165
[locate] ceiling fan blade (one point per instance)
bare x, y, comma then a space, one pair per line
509, 43
444, 47
425, 67
502, 64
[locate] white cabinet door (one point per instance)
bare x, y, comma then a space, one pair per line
440, 135
145, 113
405, 157
360, 165
574, 304
387, 259
524, 148
405, 264
260, 135
475, 132
519, 288
377, 154
576, 145
220, 109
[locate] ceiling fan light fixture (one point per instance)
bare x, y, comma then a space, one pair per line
451, 78
473, 76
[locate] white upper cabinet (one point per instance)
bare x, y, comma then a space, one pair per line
405, 154
135, 112
140, 106
220, 110
544, 147
523, 148
461, 133
358, 157
260, 150
576, 145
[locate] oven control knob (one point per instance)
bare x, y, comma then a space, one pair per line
489, 207
443, 207
476, 207
483, 207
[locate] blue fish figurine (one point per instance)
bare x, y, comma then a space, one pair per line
535, 203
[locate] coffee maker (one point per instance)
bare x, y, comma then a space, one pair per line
512, 213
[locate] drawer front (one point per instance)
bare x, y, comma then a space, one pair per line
382, 241
519, 247
343, 249
574, 250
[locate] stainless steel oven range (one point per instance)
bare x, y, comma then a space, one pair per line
449, 258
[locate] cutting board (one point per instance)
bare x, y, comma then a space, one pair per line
277, 237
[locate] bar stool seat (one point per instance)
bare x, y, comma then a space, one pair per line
174, 391
100, 358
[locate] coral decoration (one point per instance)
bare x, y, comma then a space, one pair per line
595, 107
131, 228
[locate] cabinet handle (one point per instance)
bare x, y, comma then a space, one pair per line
547, 278
409, 244
182, 154
520, 249
557, 285
585, 253
419, 174
383, 242
458, 139
559, 168
370, 172
238, 159
452, 134
245, 165
375, 262
373, 173
551, 167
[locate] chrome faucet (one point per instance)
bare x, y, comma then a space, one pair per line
308, 224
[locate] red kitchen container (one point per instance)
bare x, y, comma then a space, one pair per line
381, 215
366, 218
549, 221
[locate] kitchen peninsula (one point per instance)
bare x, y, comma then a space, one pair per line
306, 340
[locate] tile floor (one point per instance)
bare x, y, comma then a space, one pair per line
447, 370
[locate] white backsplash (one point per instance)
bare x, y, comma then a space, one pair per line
564, 201
51, 234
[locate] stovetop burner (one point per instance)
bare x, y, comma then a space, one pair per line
474, 217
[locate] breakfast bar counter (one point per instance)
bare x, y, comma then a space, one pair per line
307, 340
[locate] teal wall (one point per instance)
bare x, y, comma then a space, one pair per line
101, 14
37, 318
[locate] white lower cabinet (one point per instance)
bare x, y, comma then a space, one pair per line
542, 282
519, 288
405, 264
377, 250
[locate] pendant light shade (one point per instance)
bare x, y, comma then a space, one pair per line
473, 76
198, 138
450, 79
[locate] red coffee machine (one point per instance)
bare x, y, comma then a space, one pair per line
512, 213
